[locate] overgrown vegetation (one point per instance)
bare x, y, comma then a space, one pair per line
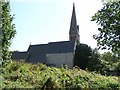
8, 29
107, 63
23, 75
0, 29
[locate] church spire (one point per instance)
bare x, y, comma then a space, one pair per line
74, 28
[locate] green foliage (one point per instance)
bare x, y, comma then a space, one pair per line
111, 0
39, 76
110, 57
0, 34
82, 55
109, 20
111, 63
107, 63
94, 64
8, 29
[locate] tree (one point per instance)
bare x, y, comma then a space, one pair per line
95, 64
109, 20
0, 33
111, 0
109, 57
8, 29
106, 63
82, 55
112, 66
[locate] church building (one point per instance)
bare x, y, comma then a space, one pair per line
54, 53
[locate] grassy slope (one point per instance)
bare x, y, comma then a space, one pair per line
22, 75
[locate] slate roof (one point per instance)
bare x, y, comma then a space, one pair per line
19, 55
37, 53
52, 47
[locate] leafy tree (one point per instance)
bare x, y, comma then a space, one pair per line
112, 63
82, 55
109, 1
109, 57
109, 20
94, 63
106, 63
0, 33
8, 29
117, 67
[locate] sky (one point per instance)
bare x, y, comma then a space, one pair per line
43, 21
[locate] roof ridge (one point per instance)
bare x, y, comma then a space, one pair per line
58, 42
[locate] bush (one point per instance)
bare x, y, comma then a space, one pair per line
39, 76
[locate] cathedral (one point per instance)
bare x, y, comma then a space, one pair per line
54, 53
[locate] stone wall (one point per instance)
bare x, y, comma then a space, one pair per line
60, 59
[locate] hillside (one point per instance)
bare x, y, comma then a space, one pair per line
24, 75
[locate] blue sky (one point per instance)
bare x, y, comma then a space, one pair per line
43, 21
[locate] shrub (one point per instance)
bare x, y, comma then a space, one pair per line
39, 76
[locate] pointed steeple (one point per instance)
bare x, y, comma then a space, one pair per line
74, 28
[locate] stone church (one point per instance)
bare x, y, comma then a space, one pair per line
54, 53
